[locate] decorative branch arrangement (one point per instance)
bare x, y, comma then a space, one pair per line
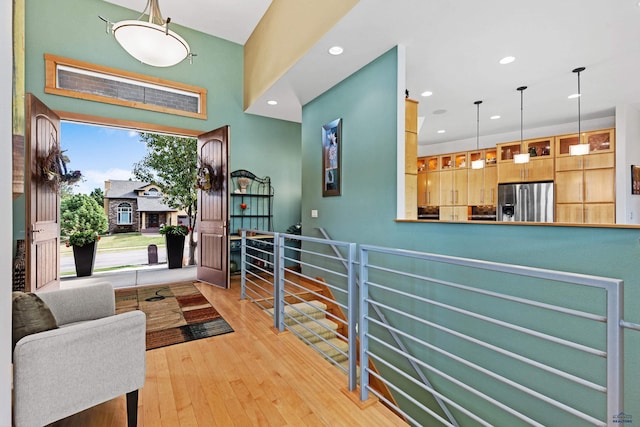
53, 169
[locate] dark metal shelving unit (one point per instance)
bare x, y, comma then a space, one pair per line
256, 197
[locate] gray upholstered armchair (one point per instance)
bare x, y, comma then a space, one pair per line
93, 356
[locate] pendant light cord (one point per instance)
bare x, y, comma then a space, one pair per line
521, 90
578, 71
478, 124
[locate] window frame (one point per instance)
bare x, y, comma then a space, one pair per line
119, 213
52, 63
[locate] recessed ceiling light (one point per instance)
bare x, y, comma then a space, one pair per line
272, 102
496, 117
441, 131
574, 96
507, 60
336, 50
427, 93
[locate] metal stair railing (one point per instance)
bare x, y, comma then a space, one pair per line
389, 269
404, 306
264, 270
396, 338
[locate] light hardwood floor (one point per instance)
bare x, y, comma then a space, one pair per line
251, 377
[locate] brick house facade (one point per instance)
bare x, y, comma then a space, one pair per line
135, 206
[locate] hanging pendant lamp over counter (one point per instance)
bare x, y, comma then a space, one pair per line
579, 149
150, 42
521, 157
478, 164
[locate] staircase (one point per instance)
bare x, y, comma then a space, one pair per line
309, 322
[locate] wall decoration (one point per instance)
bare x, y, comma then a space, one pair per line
209, 177
53, 169
635, 179
331, 154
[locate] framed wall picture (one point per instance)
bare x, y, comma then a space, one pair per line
635, 179
331, 154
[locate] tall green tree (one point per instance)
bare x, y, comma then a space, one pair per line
98, 195
171, 162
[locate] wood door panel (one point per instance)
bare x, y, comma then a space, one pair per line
600, 213
596, 161
599, 185
569, 187
42, 217
213, 211
570, 213
214, 245
433, 188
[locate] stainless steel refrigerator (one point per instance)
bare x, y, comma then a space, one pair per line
532, 201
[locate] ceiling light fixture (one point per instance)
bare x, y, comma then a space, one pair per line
579, 149
521, 157
152, 42
427, 93
336, 50
507, 60
272, 102
441, 131
496, 117
478, 164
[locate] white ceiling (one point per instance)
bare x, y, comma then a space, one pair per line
453, 49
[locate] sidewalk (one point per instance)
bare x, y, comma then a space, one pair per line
141, 276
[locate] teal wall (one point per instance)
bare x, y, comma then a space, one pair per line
72, 29
365, 213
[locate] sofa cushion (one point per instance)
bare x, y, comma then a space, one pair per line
30, 315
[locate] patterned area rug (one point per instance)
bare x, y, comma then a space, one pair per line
175, 313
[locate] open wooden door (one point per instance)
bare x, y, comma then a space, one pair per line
42, 232
213, 207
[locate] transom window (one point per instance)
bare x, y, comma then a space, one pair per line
125, 214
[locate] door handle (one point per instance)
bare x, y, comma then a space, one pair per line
34, 231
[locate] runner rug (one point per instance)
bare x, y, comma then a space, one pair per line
176, 313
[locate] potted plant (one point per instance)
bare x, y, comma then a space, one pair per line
174, 237
84, 245
82, 220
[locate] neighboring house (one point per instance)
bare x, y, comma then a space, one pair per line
137, 206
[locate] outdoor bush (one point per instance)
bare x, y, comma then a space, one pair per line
82, 220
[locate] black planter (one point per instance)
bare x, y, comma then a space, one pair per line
85, 257
175, 250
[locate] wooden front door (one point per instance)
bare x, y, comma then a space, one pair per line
213, 207
153, 221
42, 232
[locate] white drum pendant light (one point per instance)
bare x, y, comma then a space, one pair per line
478, 164
522, 157
151, 42
579, 149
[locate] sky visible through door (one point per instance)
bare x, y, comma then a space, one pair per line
100, 153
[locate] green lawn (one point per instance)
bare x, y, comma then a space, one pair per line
123, 241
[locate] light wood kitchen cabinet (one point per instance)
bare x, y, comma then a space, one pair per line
483, 182
429, 181
453, 179
580, 213
433, 188
422, 181
539, 168
411, 157
585, 185
600, 142
454, 213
